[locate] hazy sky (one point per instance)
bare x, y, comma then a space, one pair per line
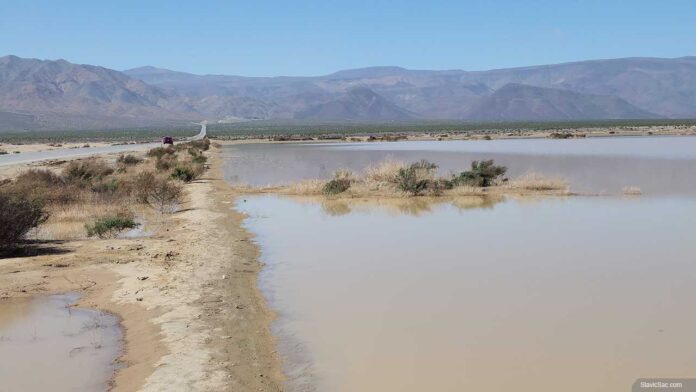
297, 37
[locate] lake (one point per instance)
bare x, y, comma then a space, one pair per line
527, 294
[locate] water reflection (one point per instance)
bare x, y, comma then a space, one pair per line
569, 294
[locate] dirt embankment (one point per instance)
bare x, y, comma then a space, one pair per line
186, 295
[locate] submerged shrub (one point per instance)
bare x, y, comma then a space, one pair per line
481, 174
17, 217
110, 226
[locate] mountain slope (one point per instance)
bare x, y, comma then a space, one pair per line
520, 102
359, 103
61, 90
41, 94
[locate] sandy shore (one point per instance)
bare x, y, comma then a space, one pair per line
186, 295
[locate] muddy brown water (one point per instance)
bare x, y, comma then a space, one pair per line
575, 294
48, 345
659, 165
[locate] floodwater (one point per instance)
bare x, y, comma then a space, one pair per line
47, 345
658, 165
557, 294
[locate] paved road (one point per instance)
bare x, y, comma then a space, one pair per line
27, 157
202, 133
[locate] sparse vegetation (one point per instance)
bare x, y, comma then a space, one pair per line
129, 160
110, 226
94, 195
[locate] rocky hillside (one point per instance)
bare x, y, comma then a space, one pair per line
43, 94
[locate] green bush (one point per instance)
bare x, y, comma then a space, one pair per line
110, 226
417, 178
187, 172
481, 174
336, 186
17, 217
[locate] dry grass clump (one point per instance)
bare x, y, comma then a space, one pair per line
631, 191
385, 172
537, 182
305, 187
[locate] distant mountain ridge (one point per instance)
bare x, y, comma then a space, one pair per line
45, 94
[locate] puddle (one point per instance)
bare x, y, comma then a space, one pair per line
657, 165
47, 345
572, 294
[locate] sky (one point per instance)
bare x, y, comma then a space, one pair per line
303, 37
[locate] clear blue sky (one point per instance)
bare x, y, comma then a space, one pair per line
298, 37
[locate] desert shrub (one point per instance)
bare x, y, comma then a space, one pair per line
44, 185
481, 174
197, 156
110, 226
159, 152
417, 178
109, 187
3, 152
161, 193
128, 160
187, 172
17, 217
203, 144
166, 162
336, 186
86, 171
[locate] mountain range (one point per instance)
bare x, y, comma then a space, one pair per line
47, 94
